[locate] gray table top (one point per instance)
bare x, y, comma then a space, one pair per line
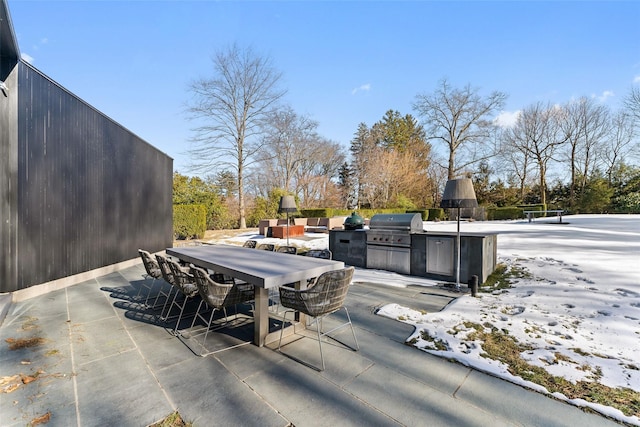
262, 268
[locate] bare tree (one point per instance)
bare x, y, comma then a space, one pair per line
538, 132
515, 158
586, 125
620, 144
230, 108
296, 158
317, 176
632, 103
461, 119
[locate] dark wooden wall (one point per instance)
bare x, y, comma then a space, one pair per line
8, 152
89, 193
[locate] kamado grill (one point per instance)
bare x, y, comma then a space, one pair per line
389, 241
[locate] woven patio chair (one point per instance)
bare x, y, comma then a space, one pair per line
250, 244
185, 286
291, 250
167, 275
320, 253
324, 297
153, 271
217, 296
266, 247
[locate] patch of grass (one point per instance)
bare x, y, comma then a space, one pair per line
437, 343
563, 357
505, 348
580, 351
502, 277
172, 420
16, 344
42, 419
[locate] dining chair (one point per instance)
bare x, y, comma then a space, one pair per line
167, 275
153, 270
217, 296
292, 250
186, 286
250, 244
319, 253
324, 297
266, 247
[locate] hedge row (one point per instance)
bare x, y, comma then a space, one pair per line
507, 212
189, 221
427, 214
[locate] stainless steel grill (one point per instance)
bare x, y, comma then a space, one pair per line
389, 241
407, 222
393, 229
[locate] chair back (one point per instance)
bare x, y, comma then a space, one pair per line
183, 280
250, 244
165, 270
291, 250
266, 247
219, 295
151, 265
320, 253
212, 292
325, 296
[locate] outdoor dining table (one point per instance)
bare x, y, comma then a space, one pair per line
263, 269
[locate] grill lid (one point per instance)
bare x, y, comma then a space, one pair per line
408, 222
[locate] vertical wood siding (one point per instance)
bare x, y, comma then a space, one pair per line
90, 193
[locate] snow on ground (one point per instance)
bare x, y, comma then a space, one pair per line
579, 310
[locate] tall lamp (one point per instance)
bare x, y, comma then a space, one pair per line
287, 204
459, 193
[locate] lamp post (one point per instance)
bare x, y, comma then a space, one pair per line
459, 193
287, 204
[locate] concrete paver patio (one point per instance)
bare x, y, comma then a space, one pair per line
90, 356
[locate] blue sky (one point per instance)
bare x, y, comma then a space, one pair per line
344, 63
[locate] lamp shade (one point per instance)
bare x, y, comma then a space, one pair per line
287, 204
459, 193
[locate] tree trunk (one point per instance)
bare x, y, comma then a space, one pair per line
543, 186
242, 223
451, 169
572, 186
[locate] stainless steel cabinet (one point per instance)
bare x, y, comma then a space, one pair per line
440, 255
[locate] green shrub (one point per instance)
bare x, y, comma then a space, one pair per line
507, 212
316, 213
628, 203
189, 221
435, 214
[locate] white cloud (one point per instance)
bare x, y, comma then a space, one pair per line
27, 58
507, 119
365, 87
603, 96
636, 79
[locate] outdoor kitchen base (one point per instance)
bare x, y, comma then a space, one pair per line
397, 242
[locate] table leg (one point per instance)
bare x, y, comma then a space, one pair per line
261, 316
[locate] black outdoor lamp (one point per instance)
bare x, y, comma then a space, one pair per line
459, 193
287, 204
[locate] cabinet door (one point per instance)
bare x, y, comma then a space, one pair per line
440, 257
